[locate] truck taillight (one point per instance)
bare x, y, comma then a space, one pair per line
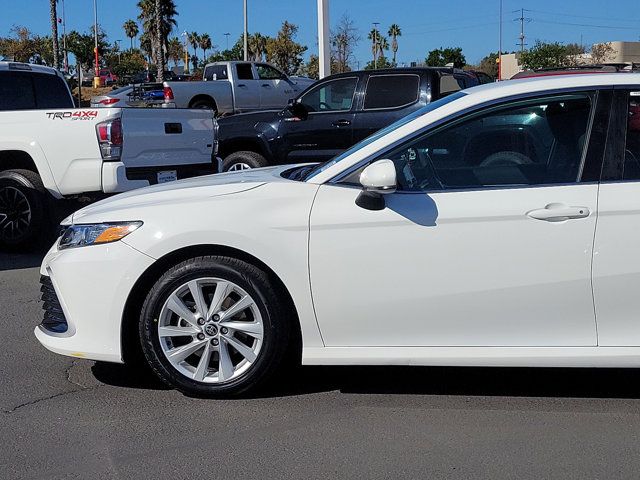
168, 93
109, 101
110, 139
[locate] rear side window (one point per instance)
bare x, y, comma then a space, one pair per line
391, 91
449, 84
216, 72
244, 71
51, 91
632, 146
16, 91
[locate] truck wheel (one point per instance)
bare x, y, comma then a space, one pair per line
205, 104
24, 219
243, 161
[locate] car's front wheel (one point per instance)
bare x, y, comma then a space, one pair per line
214, 326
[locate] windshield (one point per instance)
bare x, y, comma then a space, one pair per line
381, 133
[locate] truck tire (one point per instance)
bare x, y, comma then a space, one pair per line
24, 211
204, 104
243, 161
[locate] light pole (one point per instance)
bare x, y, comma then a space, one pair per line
227, 36
500, 46
246, 34
375, 44
324, 52
95, 33
186, 51
117, 42
64, 40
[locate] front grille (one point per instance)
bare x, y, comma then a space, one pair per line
54, 319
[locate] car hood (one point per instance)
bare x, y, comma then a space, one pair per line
178, 192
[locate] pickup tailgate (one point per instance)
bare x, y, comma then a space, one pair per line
154, 137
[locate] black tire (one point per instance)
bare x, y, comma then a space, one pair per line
204, 105
276, 320
245, 159
39, 228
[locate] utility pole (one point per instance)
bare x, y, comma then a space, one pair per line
227, 36
375, 44
95, 33
522, 20
246, 34
186, 51
324, 48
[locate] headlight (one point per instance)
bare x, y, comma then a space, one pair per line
95, 234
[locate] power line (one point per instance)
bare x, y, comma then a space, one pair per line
618, 19
522, 19
590, 25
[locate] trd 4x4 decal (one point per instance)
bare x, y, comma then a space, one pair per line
75, 115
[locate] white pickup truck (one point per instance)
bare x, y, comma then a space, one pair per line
236, 87
50, 150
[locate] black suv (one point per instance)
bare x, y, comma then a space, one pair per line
333, 114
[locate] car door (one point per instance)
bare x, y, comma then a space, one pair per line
387, 98
487, 242
275, 89
616, 264
326, 130
246, 89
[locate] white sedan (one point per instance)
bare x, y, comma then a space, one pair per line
499, 226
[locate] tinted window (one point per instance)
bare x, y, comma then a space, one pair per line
632, 146
219, 72
16, 91
390, 91
449, 84
267, 72
244, 71
51, 91
526, 143
335, 95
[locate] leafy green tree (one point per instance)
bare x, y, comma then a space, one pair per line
257, 45
440, 57
175, 50
489, 65
158, 20
283, 51
204, 41
383, 62
545, 55
379, 44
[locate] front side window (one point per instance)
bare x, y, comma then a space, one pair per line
336, 95
526, 143
267, 72
391, 91
244, 70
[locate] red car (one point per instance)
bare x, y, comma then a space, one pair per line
107, 77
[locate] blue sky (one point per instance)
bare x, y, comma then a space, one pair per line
470, 24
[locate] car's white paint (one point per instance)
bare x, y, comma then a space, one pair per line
483, 284
66, 152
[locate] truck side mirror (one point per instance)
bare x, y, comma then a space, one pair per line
299, 110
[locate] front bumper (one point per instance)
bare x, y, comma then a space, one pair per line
91, 285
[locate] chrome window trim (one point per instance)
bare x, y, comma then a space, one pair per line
503, 100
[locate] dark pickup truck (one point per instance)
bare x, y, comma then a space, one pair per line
334, 114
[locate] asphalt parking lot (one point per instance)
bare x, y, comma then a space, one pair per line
64, 418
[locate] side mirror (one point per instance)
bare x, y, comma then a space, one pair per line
377, 179
297, 109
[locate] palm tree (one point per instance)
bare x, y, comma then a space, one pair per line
131, 30
194, 39
54, 31
205, 44
257, 44
158, 20
175, 50
378, 44
394, 32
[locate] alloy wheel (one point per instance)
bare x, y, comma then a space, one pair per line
210, 330
15, 213
239, 166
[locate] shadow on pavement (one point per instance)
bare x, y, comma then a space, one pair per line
16, 261
514, 382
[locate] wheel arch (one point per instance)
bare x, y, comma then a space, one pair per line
203, 97
248, 144
18, 155
130, 344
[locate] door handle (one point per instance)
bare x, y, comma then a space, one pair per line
241, 85
559, 212
341, 123
266, 85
